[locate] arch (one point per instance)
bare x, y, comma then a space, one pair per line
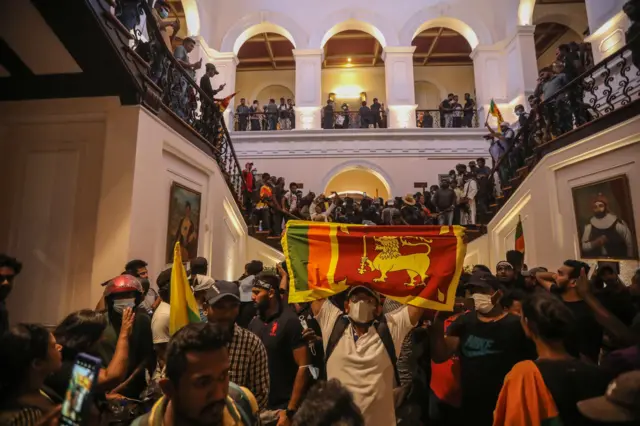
464, 21
274, 90
263, 22
566, 20
525, 12
361, 165
356, 19
442, 93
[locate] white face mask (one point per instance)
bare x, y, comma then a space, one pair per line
119, 305
482, 302
361, 312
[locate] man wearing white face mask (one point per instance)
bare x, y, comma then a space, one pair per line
125, 291
361, 349
488, 341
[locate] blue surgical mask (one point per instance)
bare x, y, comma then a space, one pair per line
164, 13
119, 305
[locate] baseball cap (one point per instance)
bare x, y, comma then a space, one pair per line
365, 288
202, 283
199, 261
533, 271
484, 280
267, 282
221, 289
620, 403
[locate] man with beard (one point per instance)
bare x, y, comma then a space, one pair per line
288, 356
606, 235
9, 269
197, 390
506, 274
586, 338
247, 354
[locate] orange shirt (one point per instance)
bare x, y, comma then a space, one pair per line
445, 377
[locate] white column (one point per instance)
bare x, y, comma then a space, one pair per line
226, 63
489, 75
400, 86
521, 65
607, 25
308, 93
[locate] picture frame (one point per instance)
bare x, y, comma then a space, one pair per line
603, 213
183, 221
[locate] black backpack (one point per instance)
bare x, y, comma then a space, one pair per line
382, 328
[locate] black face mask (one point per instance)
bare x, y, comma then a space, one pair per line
4, 291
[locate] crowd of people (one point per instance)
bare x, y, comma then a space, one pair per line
271, 116
553, 111
452, 113
462, 198
374, 116
521, 347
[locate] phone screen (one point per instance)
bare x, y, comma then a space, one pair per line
83, 376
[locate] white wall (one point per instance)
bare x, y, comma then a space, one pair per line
457, 80
87, 189
400, 157
249, 84
544, 199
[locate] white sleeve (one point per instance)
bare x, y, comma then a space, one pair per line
586, 245
312, 210
473, 189
293, 204
625, 233
327, 318
160, 327
330, 210
399, 326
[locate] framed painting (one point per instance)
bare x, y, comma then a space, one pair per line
184, 221
604, 216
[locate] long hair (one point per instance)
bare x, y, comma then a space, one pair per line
19, 347
80, 330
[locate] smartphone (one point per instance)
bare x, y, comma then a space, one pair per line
75, 407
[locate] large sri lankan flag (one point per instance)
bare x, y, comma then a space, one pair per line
416, 265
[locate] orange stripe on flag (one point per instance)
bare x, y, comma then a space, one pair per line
319, 256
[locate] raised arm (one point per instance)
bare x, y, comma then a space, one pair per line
116, 371
442, 347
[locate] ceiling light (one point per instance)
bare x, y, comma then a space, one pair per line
348, 59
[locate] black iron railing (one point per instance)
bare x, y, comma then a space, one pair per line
435, 118
353, 120
582, 104
168, 87
262, 121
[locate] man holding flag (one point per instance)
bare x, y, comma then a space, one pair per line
418, 265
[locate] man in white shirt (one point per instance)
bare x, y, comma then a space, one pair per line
469, 192
360, 359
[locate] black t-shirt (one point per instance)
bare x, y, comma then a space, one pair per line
586, 335
570, 381
281, 335
488, 351
619, 303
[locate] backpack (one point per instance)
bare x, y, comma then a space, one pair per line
382, 328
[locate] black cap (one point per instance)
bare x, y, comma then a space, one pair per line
484, 280
621, 402
199, 261
366, 289
221, 289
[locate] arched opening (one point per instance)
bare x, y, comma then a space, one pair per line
265, 71
352, 73
273, 91
548, 36
442, 55
427, 94
359, 181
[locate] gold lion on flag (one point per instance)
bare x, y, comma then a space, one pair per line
391, 260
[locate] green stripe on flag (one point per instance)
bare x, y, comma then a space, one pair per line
193, 316
298, 253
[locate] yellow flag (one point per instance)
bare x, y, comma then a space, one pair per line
184, 309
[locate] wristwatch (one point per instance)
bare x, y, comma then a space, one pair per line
290, 413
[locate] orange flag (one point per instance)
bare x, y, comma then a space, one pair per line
224, 103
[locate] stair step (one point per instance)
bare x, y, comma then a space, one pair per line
523, 170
